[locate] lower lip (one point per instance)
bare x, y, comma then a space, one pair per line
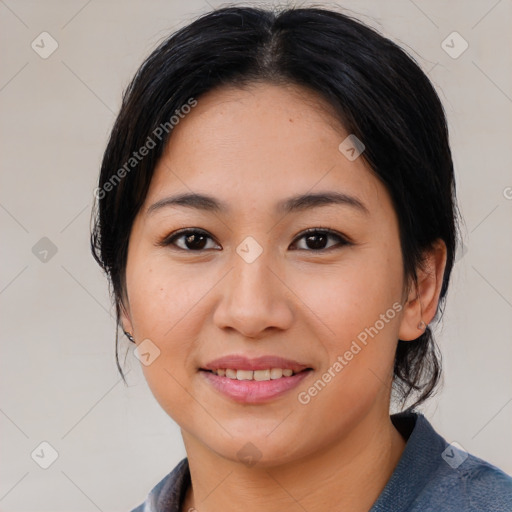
254, 391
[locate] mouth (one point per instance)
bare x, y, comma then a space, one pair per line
256, 375
253, 386
241, 363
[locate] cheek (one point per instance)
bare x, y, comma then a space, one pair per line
352, 295
353, 309
163, 305
160, 295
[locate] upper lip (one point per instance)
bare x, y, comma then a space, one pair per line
239, 362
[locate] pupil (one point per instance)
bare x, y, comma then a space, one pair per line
191, 238
317, 245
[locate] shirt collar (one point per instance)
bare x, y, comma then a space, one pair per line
418, 462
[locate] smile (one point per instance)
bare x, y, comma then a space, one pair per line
259, 386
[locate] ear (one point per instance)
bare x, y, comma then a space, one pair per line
125, 318
422, 301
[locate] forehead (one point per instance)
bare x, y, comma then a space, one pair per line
257, 145
234, 120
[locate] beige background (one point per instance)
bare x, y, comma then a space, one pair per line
58, 377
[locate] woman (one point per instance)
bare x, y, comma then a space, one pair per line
277, 217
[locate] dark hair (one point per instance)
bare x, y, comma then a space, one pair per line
376, 91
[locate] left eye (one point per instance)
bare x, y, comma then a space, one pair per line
317, 238
196, 239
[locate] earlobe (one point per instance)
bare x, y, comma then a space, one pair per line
421, 305
412, 325
126, 323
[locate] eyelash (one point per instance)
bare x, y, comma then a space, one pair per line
169, 239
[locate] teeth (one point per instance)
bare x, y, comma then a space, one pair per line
270, 373
276, 373
244, 374
262, 374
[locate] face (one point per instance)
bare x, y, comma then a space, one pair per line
247, 279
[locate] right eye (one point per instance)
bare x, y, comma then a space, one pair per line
194, 240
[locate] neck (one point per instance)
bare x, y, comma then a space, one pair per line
346, 475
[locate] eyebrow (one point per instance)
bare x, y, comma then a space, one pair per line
296, 203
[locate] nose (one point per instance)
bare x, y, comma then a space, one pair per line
255, 298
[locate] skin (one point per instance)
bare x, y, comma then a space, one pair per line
251, 148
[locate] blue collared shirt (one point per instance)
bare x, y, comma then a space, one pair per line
431, 476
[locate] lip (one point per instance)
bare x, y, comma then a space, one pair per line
253, 391
240, 362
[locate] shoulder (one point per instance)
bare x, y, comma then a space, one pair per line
435, 476
457, 480
168, 493
474, 486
